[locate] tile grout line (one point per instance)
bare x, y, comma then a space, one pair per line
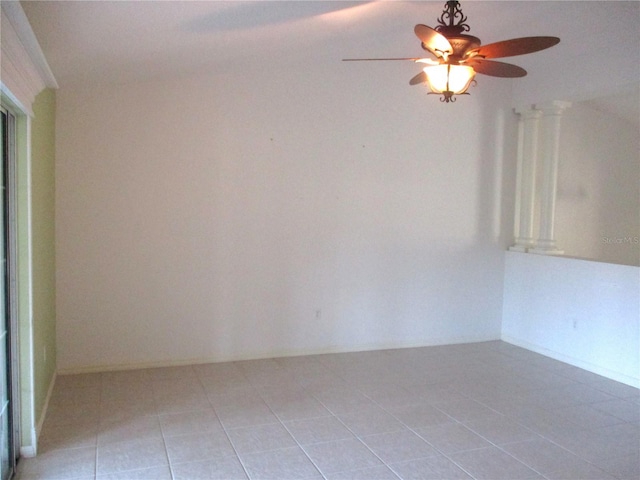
289, 432
224, 428
261, 394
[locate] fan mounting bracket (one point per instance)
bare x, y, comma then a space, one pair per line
452, 21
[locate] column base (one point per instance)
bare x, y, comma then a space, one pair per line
546, 251
545, 246
523, 244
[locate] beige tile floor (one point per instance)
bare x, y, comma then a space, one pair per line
484, 411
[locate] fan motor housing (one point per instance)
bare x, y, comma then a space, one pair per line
460, 44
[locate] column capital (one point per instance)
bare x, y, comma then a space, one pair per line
528, 112
555, 107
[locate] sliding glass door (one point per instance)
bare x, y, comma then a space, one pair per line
8, 450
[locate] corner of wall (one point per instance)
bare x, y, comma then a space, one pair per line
43, 248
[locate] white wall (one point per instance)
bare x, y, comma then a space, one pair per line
275, 213
581, 312
598, 185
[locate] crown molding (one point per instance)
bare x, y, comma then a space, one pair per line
25, 71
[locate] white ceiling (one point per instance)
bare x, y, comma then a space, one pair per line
96, 42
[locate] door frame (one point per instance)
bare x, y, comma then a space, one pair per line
25, 438
13, 358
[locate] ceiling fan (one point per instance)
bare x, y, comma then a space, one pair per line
458, 57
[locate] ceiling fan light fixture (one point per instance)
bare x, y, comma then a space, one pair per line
449, 80
457, 57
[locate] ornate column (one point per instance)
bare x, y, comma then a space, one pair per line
526, 178
551, 113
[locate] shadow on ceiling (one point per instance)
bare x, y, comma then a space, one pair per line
250, 15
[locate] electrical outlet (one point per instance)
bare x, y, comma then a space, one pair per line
575, 324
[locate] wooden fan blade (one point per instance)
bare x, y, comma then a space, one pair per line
496, 69
418, 79
433, 40
413, 59
513, 47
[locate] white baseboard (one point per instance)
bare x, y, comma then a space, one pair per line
43, 414
275, 354
597, 369
29, 451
